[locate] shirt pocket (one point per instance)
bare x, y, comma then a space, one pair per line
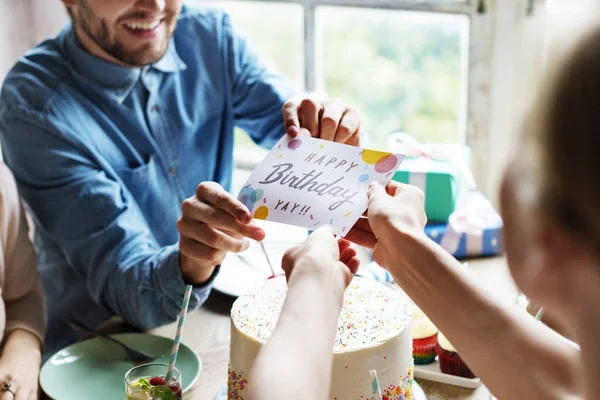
159, 205
140, 180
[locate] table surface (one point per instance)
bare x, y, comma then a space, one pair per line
207, 331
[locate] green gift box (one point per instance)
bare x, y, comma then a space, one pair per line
440, 170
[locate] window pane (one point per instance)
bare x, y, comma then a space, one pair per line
405, 71
276, 30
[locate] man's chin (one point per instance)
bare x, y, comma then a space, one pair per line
143, 57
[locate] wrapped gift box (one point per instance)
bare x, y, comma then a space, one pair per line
440, 170
474, 229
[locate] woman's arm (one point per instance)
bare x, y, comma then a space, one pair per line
21, 288
514, 355
297, 360
20, 363
21, 294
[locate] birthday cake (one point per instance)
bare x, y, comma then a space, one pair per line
373, 334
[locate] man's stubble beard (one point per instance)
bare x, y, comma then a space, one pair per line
114, 47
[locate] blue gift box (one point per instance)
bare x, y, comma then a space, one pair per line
474, 229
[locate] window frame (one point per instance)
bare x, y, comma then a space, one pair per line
474, 124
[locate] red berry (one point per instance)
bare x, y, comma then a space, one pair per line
157, 381
175, 387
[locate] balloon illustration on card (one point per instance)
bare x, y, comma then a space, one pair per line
249, 196
383, 162
261, 212
311, 182
294, 144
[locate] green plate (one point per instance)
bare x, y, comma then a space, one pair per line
94, 369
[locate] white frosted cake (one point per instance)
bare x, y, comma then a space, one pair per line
372, 334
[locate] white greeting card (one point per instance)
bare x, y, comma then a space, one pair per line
311, 182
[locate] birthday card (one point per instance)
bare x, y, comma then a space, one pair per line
310, 182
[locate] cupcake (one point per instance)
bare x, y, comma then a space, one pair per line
424, 335
450, 361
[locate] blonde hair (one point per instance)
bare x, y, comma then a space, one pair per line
566, 141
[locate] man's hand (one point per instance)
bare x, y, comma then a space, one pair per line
318, 115
323, 257
213, 223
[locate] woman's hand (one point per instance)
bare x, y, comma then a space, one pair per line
323, 257
20, 366
393, 212
299, 353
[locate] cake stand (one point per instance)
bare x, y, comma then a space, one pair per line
418, 393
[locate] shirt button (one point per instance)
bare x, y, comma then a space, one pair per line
172, 170
154, 109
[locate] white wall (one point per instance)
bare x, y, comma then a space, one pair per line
24, 23
15, 37
525, 46
518, 45
48, 17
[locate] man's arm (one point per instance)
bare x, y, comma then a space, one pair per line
95, 221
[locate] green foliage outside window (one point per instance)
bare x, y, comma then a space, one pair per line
402, 70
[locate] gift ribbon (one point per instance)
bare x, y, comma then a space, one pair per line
473, 215
411, 147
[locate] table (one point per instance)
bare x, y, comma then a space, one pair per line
207, 331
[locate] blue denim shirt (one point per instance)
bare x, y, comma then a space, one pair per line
104, 156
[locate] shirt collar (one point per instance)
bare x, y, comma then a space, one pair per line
115, 80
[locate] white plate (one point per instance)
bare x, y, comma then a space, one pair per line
432, 372
243, 272
236, 277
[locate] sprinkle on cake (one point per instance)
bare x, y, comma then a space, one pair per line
371, 314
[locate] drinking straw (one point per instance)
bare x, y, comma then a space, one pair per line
539, 314
264, 250
180, 322
376, 388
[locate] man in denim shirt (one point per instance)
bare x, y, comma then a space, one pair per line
120, 134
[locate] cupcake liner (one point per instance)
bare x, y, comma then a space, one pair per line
424, 359
424, 350
451, 363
